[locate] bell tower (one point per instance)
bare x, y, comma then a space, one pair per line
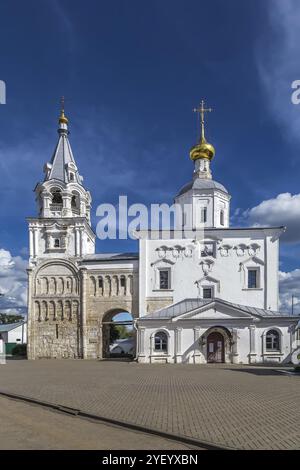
204, 203
62, 228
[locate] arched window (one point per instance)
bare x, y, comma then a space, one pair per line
203, 215
73, 203
56, 243
71, 176
272, 340
161, 342
222, 218
56, 197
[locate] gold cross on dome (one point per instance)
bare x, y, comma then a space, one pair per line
201, 111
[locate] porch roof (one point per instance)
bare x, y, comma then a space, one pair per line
188, 305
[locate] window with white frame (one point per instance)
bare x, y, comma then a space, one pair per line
221, 217
272, 340
203, 215
253, 278
164, 278
161, 342
207, 292
208, 249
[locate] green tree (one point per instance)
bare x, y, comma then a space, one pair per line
9, 318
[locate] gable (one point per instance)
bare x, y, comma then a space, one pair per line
215, 310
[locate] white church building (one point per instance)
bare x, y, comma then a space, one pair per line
204, 292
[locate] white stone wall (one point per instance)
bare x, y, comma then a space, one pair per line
233, 253
186, 341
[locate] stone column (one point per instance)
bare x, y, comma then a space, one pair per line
46, 201
197, 354
252, 353
84, 287
235, 349
178, 355
67, 209
30, 318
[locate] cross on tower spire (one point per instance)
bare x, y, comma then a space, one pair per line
201, 111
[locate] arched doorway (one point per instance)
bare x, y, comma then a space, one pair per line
118, 335
215, 347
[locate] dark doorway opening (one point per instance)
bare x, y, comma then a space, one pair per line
215, 348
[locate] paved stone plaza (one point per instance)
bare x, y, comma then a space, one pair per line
242, 407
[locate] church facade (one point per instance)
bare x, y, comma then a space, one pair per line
204, 292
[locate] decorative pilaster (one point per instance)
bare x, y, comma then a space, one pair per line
31, 250
178, 355
30, 318
252, 353
35, 242
235, 347
141, 344
84, 287
197, 354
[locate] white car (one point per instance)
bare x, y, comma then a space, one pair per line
122, 346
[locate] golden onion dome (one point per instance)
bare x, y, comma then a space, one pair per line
202, 150
62, 118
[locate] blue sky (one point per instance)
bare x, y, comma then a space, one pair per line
131, 72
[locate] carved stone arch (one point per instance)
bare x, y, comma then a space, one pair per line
37, 311
69, 285
101, 285
38, 287
51, 311
107, 286
44, 285
68, 310
75, 309
44, 310
60, 285
59, 310
114, 285
52, 285
93, 286
53, 266
129, 285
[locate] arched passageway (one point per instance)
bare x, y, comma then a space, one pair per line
118, 335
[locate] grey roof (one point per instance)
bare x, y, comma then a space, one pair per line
111, 256
10, 326
61, 157
199, 183
188, 305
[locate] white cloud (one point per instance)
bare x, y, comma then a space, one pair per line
278, 63
13, 283
289, 285
284, 209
